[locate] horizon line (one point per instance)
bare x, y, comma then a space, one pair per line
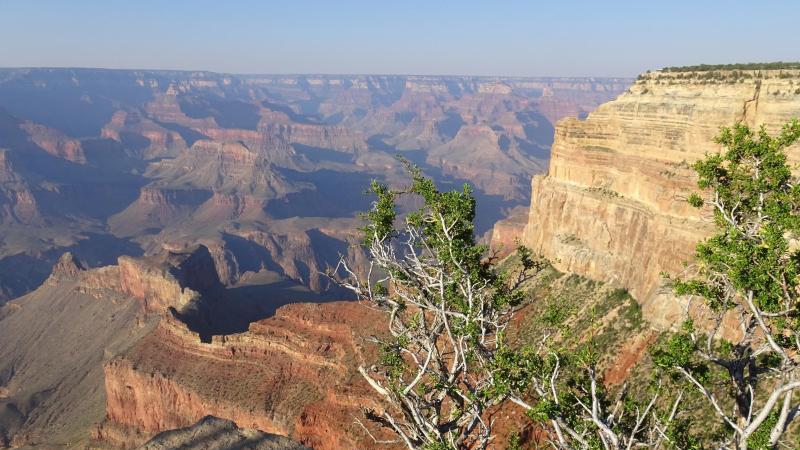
318, 74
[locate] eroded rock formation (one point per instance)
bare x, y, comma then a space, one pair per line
103, 163
291, 374
54, 341
212, 433
613, 203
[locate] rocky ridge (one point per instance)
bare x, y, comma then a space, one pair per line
212, 433
53, 341
269, 378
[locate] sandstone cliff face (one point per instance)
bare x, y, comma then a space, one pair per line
168, 280
292, 374
506, 234
612, 205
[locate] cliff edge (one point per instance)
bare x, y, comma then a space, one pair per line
612, 205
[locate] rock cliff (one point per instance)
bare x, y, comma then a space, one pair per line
55, 142
169, 279
612, 205
291, 374
54, 341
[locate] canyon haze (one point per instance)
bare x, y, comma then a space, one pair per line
267, 171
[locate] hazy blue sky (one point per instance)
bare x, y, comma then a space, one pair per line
392, 36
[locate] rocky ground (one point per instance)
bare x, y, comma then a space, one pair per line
212, 433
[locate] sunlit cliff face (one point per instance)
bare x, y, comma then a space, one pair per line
612, 205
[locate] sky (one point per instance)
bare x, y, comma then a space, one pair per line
436, 37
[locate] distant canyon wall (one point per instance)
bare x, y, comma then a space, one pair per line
104, 163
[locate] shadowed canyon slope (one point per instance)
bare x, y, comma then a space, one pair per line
613, 203
267, 171
152, 344
55, 340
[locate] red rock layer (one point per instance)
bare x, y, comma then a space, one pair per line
292, 374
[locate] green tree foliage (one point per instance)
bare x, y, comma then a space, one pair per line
447, 307
747, 271
447, 364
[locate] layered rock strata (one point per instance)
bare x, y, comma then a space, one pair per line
613, 203
54, 341
291, 374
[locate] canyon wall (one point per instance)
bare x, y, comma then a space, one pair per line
292, 374
55, 340
613, 203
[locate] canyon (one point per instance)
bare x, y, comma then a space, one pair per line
160, 226
118, 356
186, 281
267, 171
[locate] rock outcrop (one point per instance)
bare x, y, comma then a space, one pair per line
292, 374
613, 203
55, 142
506, 234
171, 279
212, 433
54, 341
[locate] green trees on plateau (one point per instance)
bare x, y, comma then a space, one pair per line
445, 362
747, 66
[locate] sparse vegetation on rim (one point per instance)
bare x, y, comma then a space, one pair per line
778, 65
